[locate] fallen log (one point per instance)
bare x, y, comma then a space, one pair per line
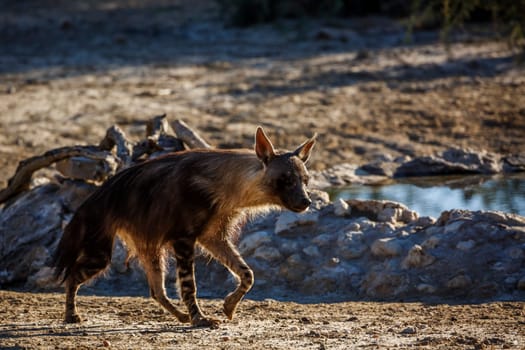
22, 178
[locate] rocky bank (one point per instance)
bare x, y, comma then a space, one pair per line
341, 250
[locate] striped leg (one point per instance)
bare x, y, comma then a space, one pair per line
85, 268
155, 272
71, 306
225, 252
185, 256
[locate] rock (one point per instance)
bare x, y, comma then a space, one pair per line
521, 284
338, 175
383, 284
293, 269
409, 330
29, 228
288, 246
323, 240
74, 192
426, 288
266, 253
453, 227
452, 161
459, 282
319, 198
514, 163
388, 215
350, 245
466, 245
83, 168
43, 279
354, 226
364, 255
252, 241
425, 221
382, 211
431, 242
417, 258
515, 252
341, 208
380, 168
386, 247
312, 251
288, 220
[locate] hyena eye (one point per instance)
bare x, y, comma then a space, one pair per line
286, 181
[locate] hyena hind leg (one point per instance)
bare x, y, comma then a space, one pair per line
155, 272
185, 256
85, 268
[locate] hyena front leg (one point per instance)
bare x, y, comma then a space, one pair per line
185, 256
155, 272
226, 253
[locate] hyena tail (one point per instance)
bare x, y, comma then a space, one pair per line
83, 252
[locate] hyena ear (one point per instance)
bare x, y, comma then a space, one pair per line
303, 151
263, 146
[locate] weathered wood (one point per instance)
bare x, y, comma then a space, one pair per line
157, 126
115, 136
22, 177
159, 137
189, 136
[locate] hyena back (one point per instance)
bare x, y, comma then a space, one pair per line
173, 203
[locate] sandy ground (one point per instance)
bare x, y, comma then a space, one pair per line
69, 70
33, 321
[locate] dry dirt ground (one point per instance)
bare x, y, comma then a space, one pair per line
71, 69
34, 321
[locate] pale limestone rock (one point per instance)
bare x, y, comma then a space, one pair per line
431, 242
515, 252
521, 284
459, 282
266, 253
417, 257
254, 240
426, 288
386, 247
341, 208
312, 251
288, 220
453, 226
43, 279
466, 245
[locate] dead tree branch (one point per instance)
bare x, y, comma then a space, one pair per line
189, 136
21, 179
116, 137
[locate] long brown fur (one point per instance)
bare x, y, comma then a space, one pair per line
173, 203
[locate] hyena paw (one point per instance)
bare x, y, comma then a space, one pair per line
184, 317
72, 318
229, 308
205, 322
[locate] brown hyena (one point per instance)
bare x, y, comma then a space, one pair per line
173, 203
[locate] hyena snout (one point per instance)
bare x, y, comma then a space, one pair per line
299, 202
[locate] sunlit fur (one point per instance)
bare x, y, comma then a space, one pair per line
174, 203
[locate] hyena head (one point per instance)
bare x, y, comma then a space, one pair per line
286, 176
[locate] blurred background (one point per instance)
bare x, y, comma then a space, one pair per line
375, 79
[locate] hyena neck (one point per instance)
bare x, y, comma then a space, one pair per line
243, 185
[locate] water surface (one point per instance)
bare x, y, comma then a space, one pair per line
432, 195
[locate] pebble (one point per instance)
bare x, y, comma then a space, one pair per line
409, 330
